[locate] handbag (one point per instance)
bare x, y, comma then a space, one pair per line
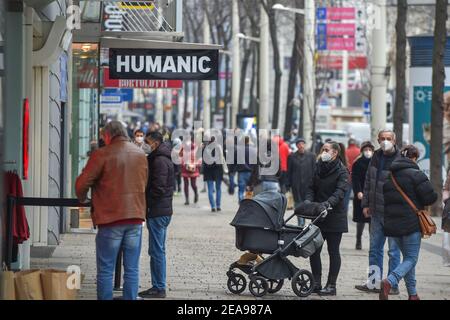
427, 225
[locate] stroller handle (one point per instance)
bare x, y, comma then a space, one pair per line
323, 215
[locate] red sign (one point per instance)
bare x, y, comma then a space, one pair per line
341, 14
334, 62
139, 84
341, 44
341, 29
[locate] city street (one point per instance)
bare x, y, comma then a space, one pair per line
200, 247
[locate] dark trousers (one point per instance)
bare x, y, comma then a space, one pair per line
186, 186
333, 240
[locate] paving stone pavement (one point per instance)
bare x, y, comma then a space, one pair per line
200, 247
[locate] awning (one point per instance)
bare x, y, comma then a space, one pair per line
129, 43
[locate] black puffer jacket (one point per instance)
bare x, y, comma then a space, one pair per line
161, 182
399, 218
330, 183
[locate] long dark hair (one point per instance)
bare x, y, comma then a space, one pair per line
337, 147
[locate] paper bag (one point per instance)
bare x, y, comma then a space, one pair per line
7, 289
28, 285
56, 285
290, 200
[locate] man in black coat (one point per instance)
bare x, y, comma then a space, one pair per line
301, 165
373, 206
160, 189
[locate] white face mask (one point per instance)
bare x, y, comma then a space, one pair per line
387, 146
139, 139
326, 157
368, 154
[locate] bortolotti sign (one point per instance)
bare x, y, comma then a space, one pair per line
164, 64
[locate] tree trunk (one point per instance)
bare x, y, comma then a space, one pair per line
437, 125
185, 107
245, 63
276, 64
296, 60
400, 62
255, 76
198, 116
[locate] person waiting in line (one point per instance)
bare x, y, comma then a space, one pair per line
301, 165
139, 141
283, 152
213, 175
190, 170
358, 174
401, 221
328, 187
343, 156
117, 175
244, 155
373, 207
160, 189
176, 145
261, 181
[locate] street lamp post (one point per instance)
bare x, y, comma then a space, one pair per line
308, 69
378, 77
263, 113
236, 78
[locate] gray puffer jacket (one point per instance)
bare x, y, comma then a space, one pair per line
373, 186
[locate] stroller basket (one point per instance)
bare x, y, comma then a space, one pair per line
308, 243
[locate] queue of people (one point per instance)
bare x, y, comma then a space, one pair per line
135, 181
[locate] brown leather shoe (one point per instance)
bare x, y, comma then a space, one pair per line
385, 289
416, 297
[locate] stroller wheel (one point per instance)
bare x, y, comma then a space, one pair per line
303, 283
275, 286
258, 286
236, 283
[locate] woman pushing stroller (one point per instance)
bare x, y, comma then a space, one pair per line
330, 183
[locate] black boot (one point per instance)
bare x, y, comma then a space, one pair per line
329, 290
317, 284
358, 244
186, 203
196, 197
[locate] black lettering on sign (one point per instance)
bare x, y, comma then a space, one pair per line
163, 64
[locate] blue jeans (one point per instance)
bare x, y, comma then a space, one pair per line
376, 251
157, 229
410, 247
243, 178
218, 190
232, 182
108, 242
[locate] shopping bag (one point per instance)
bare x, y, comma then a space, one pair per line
446, 249
28, 285
58, 285
7, 289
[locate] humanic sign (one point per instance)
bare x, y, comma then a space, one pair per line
164, 64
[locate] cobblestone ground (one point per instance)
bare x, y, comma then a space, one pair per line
200, 247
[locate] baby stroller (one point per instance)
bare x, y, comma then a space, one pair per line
260, 228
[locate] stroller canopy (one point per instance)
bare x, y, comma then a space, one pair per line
266, 211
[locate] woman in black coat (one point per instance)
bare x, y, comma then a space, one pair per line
330, 183
401, 222
359, 170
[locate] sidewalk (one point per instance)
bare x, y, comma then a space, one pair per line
200, 248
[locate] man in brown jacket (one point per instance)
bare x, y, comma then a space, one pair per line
117, 175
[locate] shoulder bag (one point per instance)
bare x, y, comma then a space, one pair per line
427, 225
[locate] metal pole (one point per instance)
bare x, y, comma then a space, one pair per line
264, 71
378, 78
344, 79
236, 65
206, 85
308, 70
